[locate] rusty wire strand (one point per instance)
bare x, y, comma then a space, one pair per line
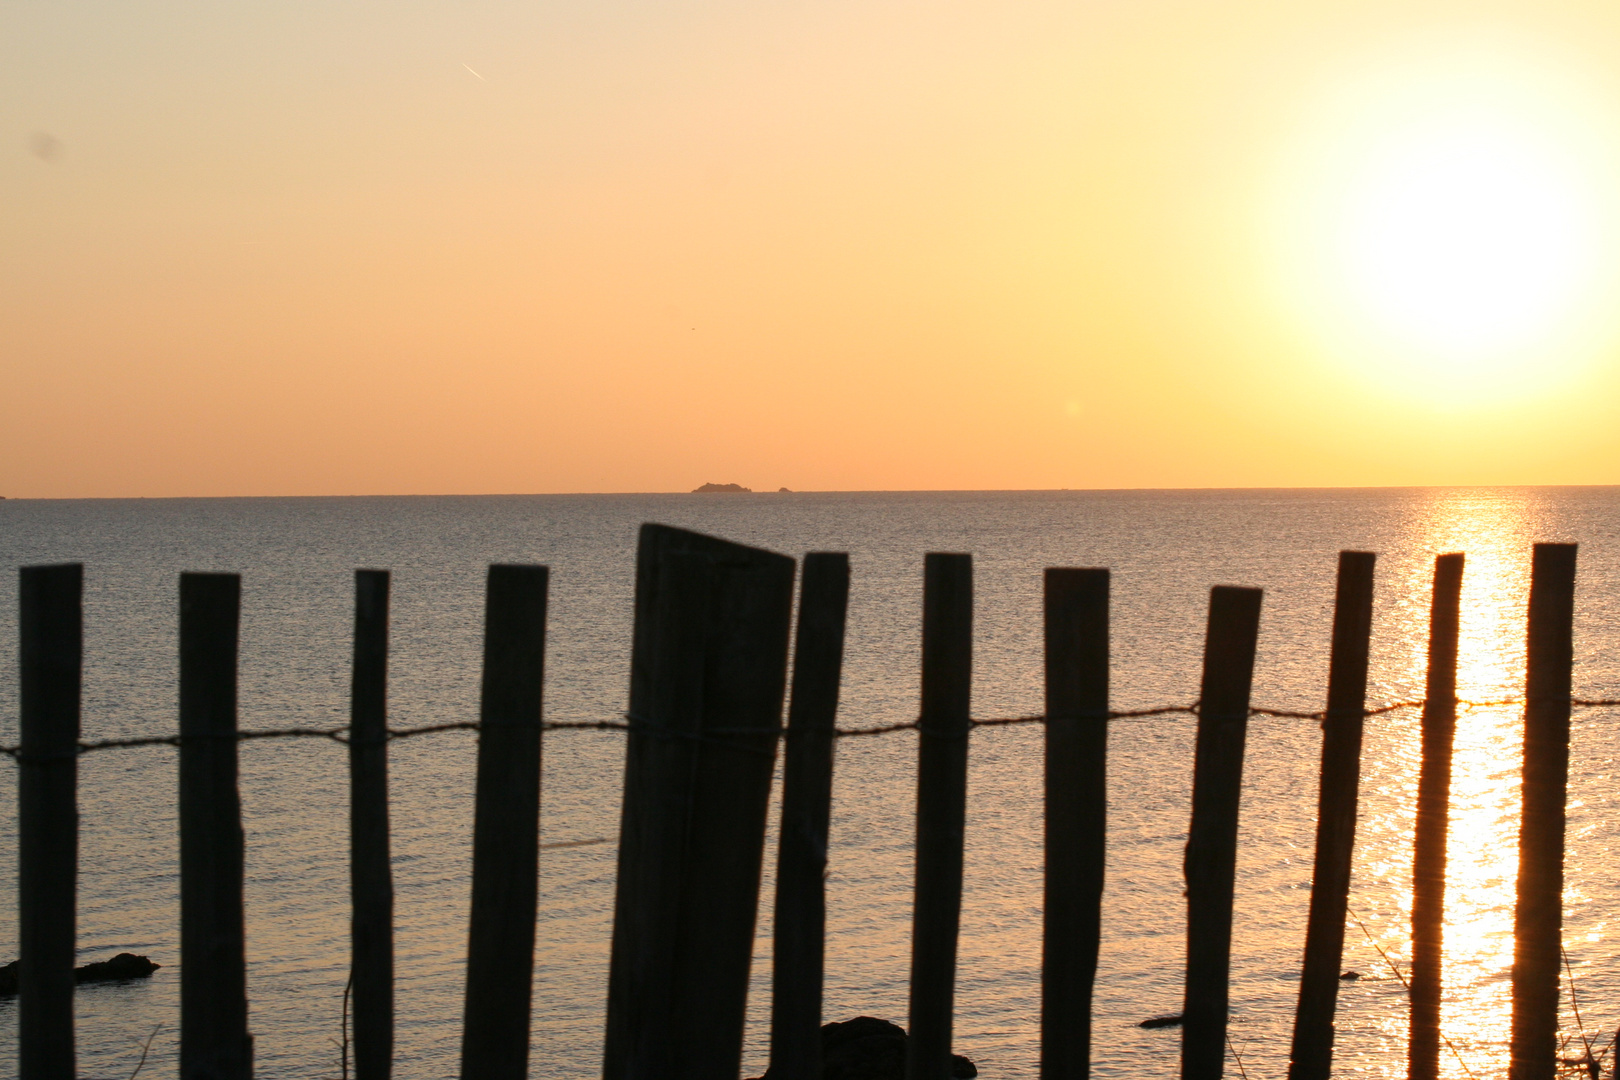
340, 733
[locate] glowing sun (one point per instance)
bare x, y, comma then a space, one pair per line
1452, 228
1468, 237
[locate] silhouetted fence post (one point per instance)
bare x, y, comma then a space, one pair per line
801, 866
942, 748
371, 925
50, 655
506, 828
1439, 729
1538, 916
1211, 861
707, 674
214, 1039
1076, 814
1311, 1057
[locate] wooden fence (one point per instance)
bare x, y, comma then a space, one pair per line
708, 682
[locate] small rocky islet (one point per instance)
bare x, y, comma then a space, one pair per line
732, 489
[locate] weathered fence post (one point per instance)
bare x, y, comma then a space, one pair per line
942, 752
506, 828
1538, 916
1311, 1057
707, 674
50, 652
1439, 729
371, 925
1211, 861
801, 864
214, 1039
1076, 814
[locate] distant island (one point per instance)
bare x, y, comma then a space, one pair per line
720, 487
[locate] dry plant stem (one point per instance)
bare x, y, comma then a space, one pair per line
1408, 987
1235, 1057
146, 1048
1575, 1004
1404, 984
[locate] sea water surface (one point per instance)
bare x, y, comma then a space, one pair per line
1165, 548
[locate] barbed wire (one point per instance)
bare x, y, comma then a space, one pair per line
340, 733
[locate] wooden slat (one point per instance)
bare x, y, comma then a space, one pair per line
801, 865
214, 1039
1538, 916
708, 673
1439, 728
50, 652
371, 927
1223, 721
942, 755
1311, 1056
1076, 814
506, 828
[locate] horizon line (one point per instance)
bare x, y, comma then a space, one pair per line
813, 491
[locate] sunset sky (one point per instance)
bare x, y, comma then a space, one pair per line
421, 247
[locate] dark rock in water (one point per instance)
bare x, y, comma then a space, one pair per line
123, 966
1162, 1021
720, 487
863, 1047
1350, 976
867, 1048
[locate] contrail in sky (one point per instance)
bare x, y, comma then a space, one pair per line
477, 76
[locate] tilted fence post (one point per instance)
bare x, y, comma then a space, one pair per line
1538, 915
942, 755
214, 1039
506, 828
1211, 860
50, 652
1076, 814
801, 865
371, 886
708, 673
1439, 729
1311, 1057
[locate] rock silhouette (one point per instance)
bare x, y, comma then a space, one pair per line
867, 1048
719, 487
123, 966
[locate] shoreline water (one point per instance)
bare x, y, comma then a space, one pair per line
1166, 549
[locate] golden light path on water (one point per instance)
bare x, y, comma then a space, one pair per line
1476, 1011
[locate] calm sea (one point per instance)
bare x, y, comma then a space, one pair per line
1165, 548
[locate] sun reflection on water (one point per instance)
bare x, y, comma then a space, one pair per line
1482, 864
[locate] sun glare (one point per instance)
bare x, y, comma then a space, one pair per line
1468, 238
1447, 230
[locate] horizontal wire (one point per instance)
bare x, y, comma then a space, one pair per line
341, 733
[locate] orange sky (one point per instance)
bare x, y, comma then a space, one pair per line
344, 248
